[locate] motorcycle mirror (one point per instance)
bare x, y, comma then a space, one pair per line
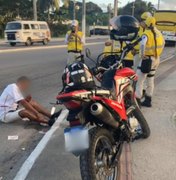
88, 53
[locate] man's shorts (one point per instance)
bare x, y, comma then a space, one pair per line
11, 116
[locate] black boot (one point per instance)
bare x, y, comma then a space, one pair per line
147, 102
54, 117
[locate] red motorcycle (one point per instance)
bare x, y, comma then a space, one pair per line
102, 118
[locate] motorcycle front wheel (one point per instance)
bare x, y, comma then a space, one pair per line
95, 162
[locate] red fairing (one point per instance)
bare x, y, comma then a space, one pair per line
125, 72
69, 103
119, 108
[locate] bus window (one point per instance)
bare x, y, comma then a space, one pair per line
26, 26
43, 26
34, 26
165, 23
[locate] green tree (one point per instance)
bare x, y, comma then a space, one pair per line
140, 6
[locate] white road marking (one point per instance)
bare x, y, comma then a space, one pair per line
29, 162
42, 48
167, 59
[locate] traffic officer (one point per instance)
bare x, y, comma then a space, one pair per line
151, 47
75, 41
135, 51
111, 49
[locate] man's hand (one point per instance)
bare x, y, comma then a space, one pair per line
144, 57
40, 117
134, 52
28, 98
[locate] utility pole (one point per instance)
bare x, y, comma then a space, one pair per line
110, 13
158, 4
74, 9
133, 8
35, 9
84, 17
115, 7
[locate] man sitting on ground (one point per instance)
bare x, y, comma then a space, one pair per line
14, 106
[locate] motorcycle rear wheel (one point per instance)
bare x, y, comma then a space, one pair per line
94, 164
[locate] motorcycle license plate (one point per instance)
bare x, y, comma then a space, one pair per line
76, 139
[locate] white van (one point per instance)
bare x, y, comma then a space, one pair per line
27, 32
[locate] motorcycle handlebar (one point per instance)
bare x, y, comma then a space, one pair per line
127, 48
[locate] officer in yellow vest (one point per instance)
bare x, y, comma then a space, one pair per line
151, 47
75, 41
135, 52
110, 50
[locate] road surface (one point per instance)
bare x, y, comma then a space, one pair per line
45, 67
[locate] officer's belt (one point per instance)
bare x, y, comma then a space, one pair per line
74, 51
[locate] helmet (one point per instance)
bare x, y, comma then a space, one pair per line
150, 21
145, 15
77, 76
125, 28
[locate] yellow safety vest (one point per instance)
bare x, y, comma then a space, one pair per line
141, 31
74, 43
150, 49
109, 49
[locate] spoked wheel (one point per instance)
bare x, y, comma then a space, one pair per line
96, 162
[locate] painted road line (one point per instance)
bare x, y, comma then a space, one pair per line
43, 48
28, 164
167, 59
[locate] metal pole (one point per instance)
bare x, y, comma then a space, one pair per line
158, 4
133, 7
84, 18
74, 9
35, 9
109, 12
115, 7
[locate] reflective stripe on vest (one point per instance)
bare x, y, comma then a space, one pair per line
150, 46
74, 43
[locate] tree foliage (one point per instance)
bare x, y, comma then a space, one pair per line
140, 6
50, 11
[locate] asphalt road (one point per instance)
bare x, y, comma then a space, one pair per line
44, 67
53, 42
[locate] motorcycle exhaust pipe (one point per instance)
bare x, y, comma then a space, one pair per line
103, 114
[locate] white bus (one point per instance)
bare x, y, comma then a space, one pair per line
27, 32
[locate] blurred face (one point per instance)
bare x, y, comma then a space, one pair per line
142, 23
74, 28
24, 86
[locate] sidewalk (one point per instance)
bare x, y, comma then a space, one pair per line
2, 41
153, 159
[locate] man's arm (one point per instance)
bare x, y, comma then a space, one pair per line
143, 45
67, 37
